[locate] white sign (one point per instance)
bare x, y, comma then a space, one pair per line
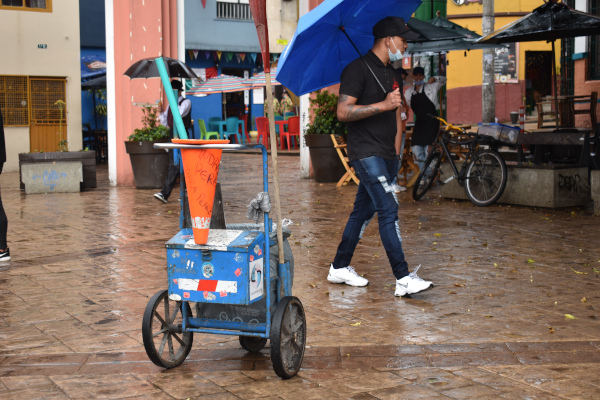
259, 96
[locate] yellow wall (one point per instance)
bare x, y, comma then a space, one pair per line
59, 30
466, 71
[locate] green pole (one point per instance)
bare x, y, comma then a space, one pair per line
179, 128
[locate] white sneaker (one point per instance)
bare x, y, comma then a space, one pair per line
411, 284
397, 188
346, 275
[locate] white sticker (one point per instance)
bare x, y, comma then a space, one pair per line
256, 278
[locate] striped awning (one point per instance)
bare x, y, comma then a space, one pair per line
219, 84
258, 80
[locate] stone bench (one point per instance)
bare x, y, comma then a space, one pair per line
534, 185
52, 177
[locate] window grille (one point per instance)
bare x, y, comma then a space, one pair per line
44, 95
31, 5
234, 9
13, 100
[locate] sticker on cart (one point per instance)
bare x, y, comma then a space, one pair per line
207, 285
186, 295
208, 270
251, 258
256, 279
238, 272
257, 250
175, 281
238, 257
223, 294
174, 297
209, 296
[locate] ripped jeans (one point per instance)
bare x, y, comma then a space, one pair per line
374, 195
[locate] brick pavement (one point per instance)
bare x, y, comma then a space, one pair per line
494, 326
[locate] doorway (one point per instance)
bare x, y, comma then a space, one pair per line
538, 76
48, 130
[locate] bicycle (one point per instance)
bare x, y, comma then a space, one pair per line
483, 173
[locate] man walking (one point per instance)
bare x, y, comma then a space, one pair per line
423, 99
166, 119
374, 133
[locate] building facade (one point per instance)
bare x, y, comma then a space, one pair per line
40, 83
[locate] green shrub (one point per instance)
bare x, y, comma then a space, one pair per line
151, 130
324, 108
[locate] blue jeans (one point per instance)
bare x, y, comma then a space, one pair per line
420, 155
374, 195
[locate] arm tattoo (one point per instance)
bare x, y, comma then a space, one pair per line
355, 113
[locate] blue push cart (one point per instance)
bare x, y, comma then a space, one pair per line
232, 269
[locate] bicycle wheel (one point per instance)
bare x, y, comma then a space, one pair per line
428, 175
486, 178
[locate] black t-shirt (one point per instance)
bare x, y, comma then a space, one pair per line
373, 136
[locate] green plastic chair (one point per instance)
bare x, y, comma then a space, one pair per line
206, 135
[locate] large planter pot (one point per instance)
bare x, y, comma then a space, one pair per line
326, 163
87, 159
149, 165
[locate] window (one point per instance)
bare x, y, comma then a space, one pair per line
234, 9
13, 100
27, 5
594, 45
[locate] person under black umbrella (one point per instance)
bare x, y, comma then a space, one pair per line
4, 250
374, 137
422, 98
166, 119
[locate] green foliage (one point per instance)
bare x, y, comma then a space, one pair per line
151, 130
324, 108
62, 143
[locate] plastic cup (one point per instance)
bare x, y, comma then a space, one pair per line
201, 169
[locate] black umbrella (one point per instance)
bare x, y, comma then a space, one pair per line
548, 22
146, 68
94, 84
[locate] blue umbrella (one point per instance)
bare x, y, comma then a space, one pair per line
321, 47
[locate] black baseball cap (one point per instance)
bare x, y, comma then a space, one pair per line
418, 71
393, 26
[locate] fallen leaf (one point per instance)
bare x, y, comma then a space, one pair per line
348, 355
551, 329
327, 293
584, 300
459, 284
488, 316
313, 285
579, 273
485, 244
530, 261
355, 324
451, 292
437, 234
490, 295
596, 270
495, 265
569, 316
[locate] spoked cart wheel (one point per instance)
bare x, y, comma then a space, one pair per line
288, 337
252, 344
166, 345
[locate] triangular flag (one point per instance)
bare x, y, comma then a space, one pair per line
228, 56
243, 56
195, 54
219, 53
203, 3
253, 56
191, 54
207, 54
238, 57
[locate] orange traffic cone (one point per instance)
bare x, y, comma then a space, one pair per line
201, 169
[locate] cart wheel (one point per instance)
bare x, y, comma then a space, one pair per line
252, 344
162, 327
288, 337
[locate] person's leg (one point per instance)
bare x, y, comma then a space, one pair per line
172, 175
377, 175
420, 155
4, 251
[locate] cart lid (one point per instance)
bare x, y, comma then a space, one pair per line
218, 239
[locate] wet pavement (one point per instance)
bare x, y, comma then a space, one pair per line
513, 314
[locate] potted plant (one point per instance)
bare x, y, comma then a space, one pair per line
149, 165
326, 164
86, 157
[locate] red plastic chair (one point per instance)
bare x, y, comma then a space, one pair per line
244, 117
293, 130
262, 127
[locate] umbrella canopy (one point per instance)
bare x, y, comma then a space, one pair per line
548, 22
219, 84
259, 80
320, 50
147, 68
94, 84
429, 32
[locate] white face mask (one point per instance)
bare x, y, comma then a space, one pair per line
395, 56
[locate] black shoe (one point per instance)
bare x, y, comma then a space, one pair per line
5, 255
159, 196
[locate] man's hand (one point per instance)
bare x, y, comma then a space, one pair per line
393, 100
